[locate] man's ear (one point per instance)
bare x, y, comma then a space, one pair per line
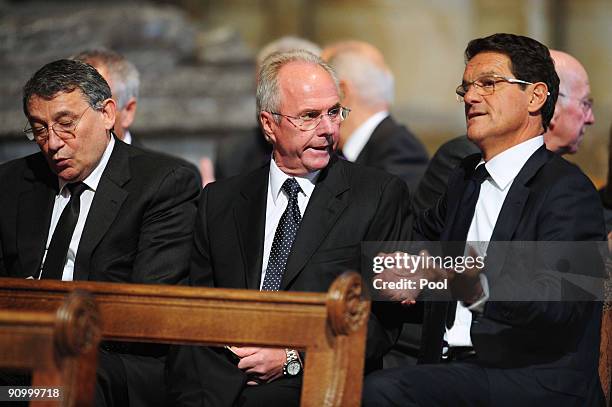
128, 113
109, 110
268, 125
538, 97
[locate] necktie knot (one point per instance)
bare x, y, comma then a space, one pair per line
480, 174
291, 188
76, 189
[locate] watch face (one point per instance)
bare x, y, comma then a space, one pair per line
293, 368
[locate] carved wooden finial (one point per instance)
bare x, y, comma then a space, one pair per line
346, 308
78, 324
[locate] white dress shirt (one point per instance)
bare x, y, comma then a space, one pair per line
62, 199
277, 203
127, 137
502, 168
360, 137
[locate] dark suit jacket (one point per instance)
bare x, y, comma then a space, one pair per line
549, 200
241, 153
138, 229
394, 149
349, 205
434, 181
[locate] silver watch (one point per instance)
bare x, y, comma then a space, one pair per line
292, 366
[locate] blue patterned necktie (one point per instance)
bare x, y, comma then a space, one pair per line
283, 238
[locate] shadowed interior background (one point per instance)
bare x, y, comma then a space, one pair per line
196, 58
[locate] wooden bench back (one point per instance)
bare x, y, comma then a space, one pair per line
330, 327
59, 348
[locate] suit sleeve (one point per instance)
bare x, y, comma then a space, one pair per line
165, 237
390, 223
201, 271
571, 213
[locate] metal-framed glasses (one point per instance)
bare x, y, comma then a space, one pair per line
63, 128
586, 104
485, 85
311, 119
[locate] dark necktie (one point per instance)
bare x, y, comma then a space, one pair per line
283, 238
58, 248
462, 222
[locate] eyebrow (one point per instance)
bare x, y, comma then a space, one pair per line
483, 74
56, 116
320, 110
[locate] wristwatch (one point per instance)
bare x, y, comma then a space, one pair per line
292, 366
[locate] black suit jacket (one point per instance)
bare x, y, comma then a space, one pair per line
549, 200
395, 149
138, 229
434, 181
349, 205
242, 153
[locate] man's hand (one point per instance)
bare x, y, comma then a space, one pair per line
262, 365
409, 272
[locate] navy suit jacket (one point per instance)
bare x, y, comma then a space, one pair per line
549, 200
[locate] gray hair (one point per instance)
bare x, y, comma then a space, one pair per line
66, 75
268, 93
374, 83
123, 74
286, 44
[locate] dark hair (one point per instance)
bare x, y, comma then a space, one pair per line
529, 61
66, 75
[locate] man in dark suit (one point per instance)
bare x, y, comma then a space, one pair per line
295, 224
503, 353
370, 136
90, 207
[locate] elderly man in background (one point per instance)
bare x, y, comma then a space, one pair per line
370, 136
124, 81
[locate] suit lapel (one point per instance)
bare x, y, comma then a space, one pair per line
325, 206
250, 219
34, 211
456, 186
512, 211
106, 204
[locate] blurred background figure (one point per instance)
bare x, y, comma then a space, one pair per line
574, 108
124, 81
244, 153
370, 136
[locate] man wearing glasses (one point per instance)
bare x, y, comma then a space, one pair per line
295, 224
90, 207
574, 109
479, 352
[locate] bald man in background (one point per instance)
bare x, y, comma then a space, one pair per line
574, 108
370, 136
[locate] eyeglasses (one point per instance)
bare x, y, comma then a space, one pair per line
64, 129
310, 120
485, 85
586, 104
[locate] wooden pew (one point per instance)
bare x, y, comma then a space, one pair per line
59, 348
330, 326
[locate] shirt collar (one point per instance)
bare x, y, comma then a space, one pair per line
358, 139
93, 179
278, 177
127, 137
505, 166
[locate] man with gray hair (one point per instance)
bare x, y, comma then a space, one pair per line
370, 136
124, 81
295, 224
245, 152
90, 207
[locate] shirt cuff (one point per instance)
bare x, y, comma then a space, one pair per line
478, 305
